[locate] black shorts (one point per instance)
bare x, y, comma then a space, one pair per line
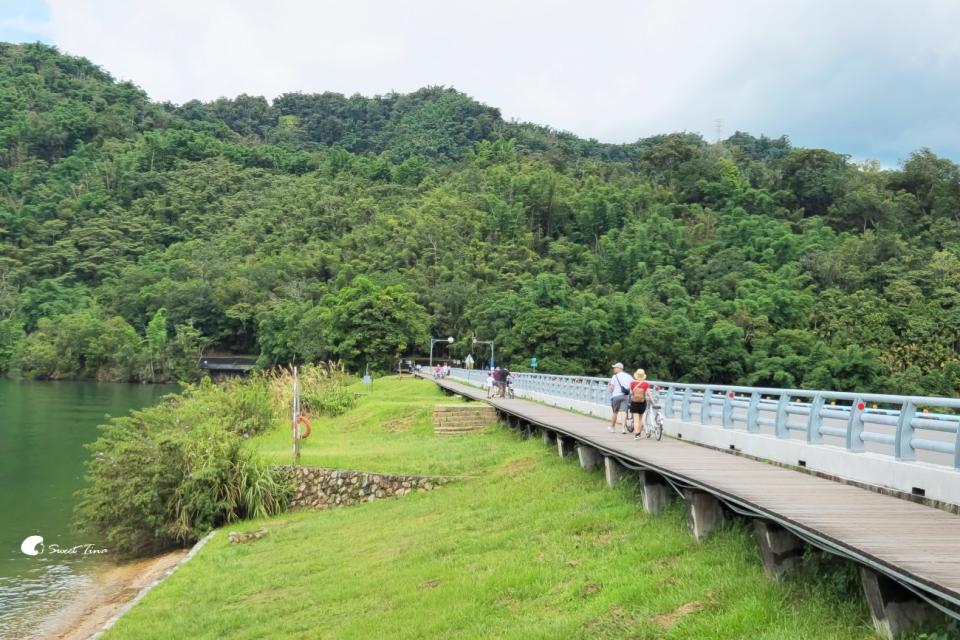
638, 407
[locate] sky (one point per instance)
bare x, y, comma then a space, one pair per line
876, 79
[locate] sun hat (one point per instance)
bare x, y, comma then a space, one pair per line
639, 374
619, 365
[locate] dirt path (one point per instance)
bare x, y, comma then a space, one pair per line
111, 589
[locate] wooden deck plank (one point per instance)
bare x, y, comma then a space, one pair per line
912, 539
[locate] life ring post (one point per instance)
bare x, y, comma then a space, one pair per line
303, 420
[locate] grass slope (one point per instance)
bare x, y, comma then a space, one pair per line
531, 548
391, 431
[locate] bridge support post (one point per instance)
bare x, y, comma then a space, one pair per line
564, 446
589, 457
704, 513
894, 609
548, 436
654, 492
780, 550
613, 471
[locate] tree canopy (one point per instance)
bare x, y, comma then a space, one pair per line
318, 226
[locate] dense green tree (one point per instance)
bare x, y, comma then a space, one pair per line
375, 325
319, 226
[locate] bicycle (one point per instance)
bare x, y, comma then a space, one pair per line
653, 421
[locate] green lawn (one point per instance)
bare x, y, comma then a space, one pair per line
390, 431
531, 547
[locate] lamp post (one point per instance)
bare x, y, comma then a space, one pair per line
434, 341
489, 342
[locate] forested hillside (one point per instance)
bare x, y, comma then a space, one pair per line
134, 234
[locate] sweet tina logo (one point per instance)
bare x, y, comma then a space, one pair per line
30, 545
33, 546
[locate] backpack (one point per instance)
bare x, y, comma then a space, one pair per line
638, 393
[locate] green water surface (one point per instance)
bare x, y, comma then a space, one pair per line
43, 427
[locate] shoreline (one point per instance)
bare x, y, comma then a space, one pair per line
112, 589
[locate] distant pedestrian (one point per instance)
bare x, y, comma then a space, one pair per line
639, 394
619, 386
488, 385
497, 379
505, 380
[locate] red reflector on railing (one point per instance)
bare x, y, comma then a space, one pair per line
860, 406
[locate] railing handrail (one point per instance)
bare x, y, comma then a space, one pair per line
886, 398
908, 416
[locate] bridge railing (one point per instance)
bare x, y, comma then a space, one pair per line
899, 426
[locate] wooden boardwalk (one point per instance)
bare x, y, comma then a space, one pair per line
916, 545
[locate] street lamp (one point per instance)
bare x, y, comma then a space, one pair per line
489, 342
434, 341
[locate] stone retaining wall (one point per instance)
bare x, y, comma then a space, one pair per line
320, 488
462, 418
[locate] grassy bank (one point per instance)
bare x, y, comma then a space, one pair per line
531, 547
390, 430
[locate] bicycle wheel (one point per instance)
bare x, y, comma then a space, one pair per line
658, 430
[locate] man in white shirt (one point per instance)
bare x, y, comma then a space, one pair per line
619, 386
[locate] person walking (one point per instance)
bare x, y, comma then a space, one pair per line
504, 381
489, 384
639, 394
619, 386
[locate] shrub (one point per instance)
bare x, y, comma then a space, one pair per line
331, 399
164, 476
248, 406
323, 390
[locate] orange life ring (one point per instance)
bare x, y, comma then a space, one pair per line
304, 420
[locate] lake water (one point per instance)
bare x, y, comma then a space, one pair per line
43, 427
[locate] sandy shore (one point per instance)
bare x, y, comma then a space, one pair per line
112, 588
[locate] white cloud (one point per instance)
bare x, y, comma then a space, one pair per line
837, 73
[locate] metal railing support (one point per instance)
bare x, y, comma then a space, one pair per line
903, 448
780, 424
815, 421
855, 426
728, 410
753, 413
685, 407
705, 402
956, 452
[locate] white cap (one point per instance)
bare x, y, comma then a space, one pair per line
619, 365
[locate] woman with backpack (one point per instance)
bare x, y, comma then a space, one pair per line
639, 394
